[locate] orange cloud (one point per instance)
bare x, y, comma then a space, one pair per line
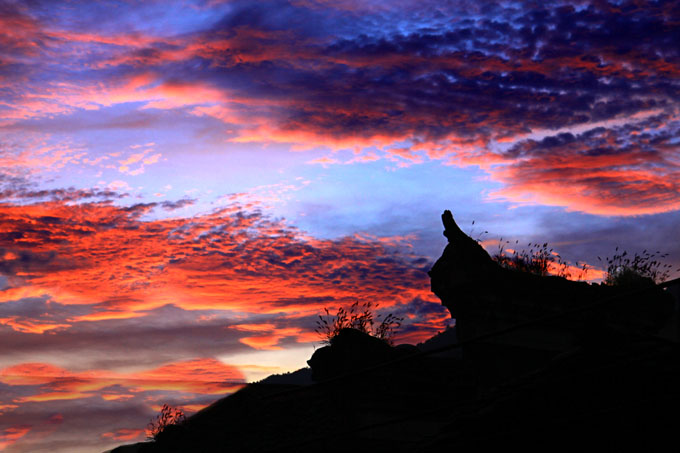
104, 315
207, 376
124, 434
264, 342
117, 397
255, 327
604, 172
27, 326
199, 376
574, 272
10, 435
32, 374
274, 335
96, 253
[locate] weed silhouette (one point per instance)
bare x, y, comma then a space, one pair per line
168, 416
537, 260
624, 270
359, 317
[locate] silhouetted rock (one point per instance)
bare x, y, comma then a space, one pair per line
139, 447
350, 350
485, 297
444, 339
303, 376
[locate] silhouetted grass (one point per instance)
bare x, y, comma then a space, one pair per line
624, 270
168, 416
538, 259
359, 317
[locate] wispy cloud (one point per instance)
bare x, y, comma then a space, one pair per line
624, 170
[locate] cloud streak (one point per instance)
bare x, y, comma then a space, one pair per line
27, 386
625, 170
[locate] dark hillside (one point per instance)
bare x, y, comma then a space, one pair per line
538, 363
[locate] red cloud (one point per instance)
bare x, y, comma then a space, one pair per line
199, 376
274, 335
620, 171
124, 434
194, 376
30, 326
231, 259
54, 398
10, 435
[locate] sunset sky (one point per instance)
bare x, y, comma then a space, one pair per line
185, 185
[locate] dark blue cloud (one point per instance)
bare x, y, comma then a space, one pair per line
546, 66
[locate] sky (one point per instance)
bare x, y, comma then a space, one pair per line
186, 185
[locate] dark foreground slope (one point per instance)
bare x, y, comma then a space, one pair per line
390, 407
544, 364
599, 399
